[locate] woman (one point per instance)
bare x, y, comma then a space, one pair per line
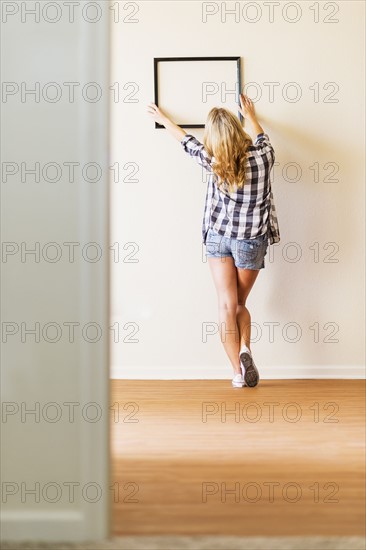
239, 219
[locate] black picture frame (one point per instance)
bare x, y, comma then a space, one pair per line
225, 58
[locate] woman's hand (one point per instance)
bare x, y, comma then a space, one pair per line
157, 114
161, 118
247, 107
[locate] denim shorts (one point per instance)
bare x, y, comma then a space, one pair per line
247, 253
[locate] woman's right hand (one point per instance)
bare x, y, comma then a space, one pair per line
247, 107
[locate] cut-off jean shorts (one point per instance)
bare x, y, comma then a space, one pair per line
247, 253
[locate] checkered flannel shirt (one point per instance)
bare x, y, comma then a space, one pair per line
245, 213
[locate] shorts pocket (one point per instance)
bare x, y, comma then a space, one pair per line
213, 242
212, 236
248, 252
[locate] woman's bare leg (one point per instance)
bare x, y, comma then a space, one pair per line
245, 281
225, 279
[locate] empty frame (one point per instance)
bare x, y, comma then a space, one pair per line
186, 88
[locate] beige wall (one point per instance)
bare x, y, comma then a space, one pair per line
168, 294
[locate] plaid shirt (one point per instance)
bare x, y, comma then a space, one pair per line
246, 213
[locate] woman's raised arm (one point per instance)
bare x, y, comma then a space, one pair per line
161, 118
248, 111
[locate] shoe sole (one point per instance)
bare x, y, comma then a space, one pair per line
236, 385
250, 372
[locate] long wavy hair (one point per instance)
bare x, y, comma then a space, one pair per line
225, 139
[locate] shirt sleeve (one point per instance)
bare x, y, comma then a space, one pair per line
263, 144
196, 149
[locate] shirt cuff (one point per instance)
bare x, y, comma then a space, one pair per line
261, 136
185, 138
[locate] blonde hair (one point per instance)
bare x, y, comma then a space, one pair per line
225, 139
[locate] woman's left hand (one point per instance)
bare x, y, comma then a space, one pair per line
157, 114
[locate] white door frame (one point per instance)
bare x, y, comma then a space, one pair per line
86, 521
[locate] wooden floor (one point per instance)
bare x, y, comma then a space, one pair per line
200, 457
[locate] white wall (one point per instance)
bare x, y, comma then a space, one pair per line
162, 300
35, 450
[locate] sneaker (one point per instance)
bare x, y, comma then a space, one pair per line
238, 381
249, 370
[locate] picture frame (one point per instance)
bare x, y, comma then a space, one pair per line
237, 66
